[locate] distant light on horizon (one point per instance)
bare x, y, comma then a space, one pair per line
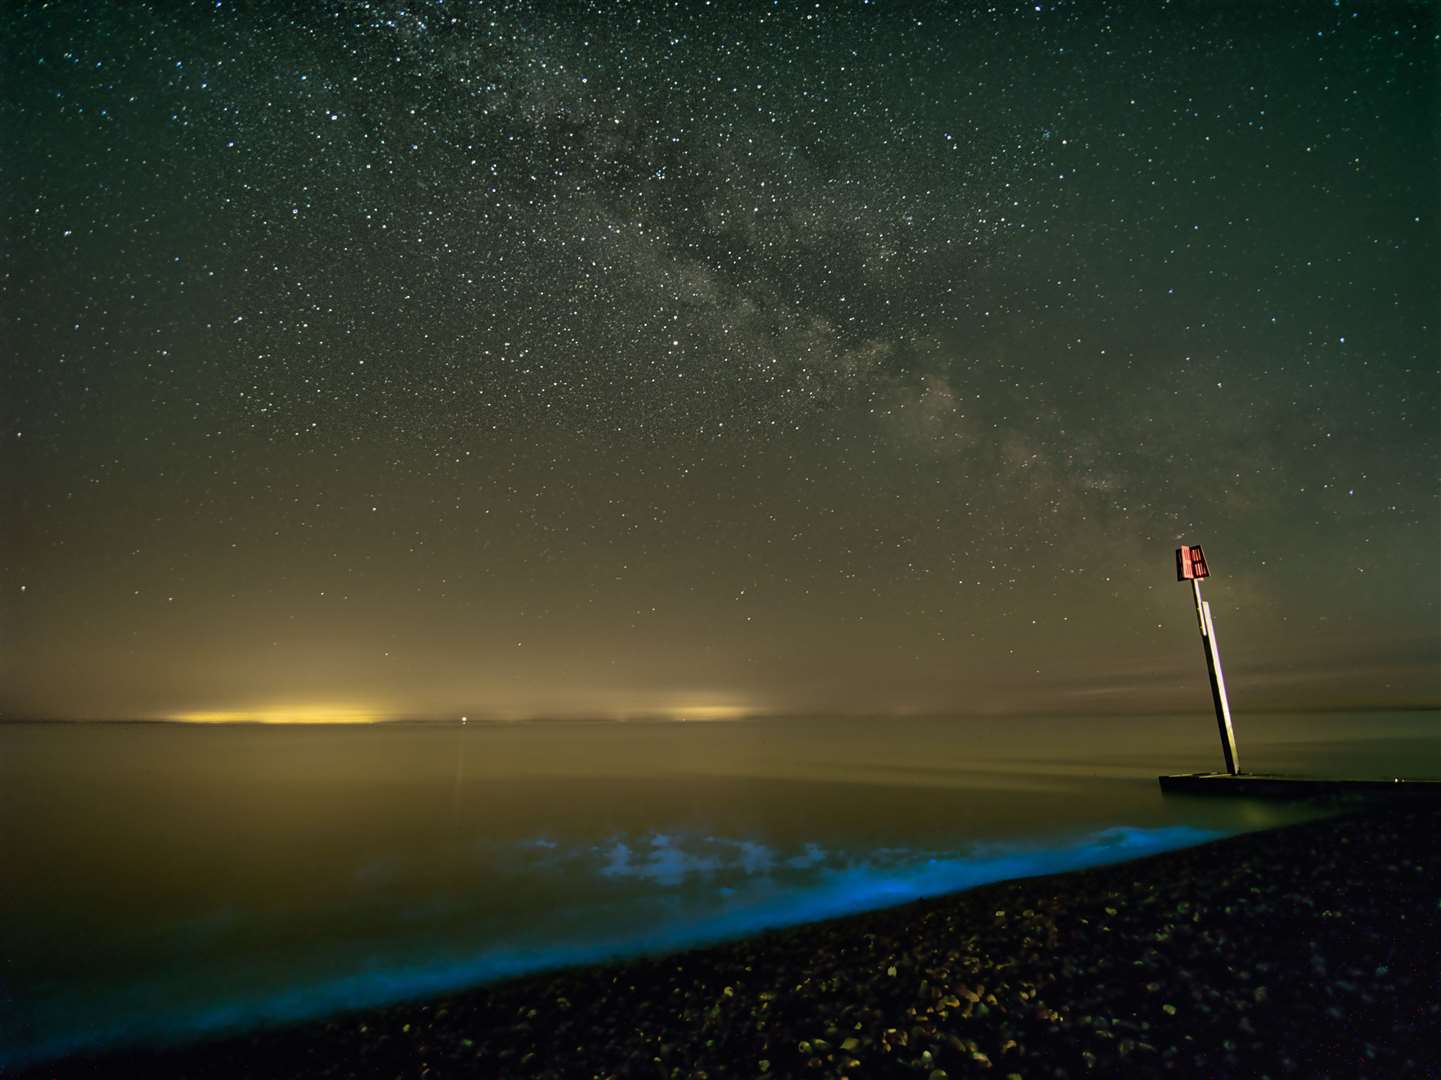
285, 714
687, 713
353, 713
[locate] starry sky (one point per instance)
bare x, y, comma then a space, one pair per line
368, 359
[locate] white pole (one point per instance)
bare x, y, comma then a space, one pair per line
1218, 680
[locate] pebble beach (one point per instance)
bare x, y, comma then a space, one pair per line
1308, 951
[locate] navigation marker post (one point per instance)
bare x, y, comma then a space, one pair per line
1191, 566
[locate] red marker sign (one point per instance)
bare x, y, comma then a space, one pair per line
1191, 564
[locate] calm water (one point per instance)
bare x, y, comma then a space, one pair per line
162, 881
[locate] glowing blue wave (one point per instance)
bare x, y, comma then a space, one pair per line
707, 890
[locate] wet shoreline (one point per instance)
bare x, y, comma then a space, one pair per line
1310, 950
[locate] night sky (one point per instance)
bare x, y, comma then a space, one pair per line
707, 359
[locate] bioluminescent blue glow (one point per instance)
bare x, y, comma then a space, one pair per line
640, 894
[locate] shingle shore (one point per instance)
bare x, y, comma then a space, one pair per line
1310, 951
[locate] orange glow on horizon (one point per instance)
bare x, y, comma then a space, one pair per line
708, 712
284, 714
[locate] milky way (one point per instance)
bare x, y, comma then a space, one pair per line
531, 359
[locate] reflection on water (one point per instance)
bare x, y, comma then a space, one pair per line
172, 880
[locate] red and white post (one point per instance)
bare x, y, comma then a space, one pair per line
1191, 566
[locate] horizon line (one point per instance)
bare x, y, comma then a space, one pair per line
655, 718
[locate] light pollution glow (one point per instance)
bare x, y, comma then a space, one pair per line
359, 714
285, 714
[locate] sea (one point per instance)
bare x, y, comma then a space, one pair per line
167, 882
